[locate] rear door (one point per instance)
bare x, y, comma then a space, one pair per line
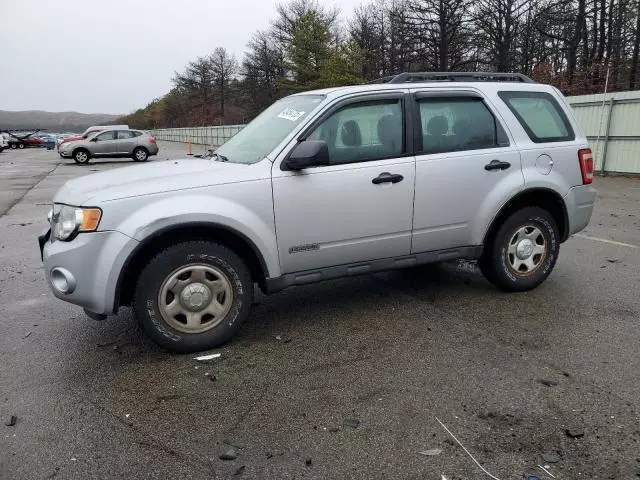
103, 144
125, 141
466, 164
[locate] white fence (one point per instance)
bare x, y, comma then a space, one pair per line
209, 136
611, 122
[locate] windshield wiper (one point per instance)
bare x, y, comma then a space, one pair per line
211, 154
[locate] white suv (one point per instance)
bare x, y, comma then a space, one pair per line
325, 184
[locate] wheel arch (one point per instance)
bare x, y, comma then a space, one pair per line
173, 234
544, 198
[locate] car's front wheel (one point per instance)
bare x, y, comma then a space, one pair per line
140, 154
81, 156
523, 251
193, 296
21, 145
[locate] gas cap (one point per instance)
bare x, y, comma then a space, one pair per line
544, 164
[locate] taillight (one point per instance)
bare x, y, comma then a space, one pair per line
153, 140
585, 158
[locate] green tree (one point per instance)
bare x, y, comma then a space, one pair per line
344, 66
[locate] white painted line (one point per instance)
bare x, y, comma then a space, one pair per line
546, 471
604, 240
463, 447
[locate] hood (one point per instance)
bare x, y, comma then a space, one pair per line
147, 179
70, 139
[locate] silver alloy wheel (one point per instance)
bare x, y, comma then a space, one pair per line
82, 157
141, 155
527, 250
195, 298
21, 145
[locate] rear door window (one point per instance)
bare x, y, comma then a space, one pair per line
452, 124
540, 115
125, 134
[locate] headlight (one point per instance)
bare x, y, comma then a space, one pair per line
68, 221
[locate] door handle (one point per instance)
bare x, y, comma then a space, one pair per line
497, 165
386, 177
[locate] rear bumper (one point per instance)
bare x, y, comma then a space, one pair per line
579, 203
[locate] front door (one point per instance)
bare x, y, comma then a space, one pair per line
359, 207
103, 144
465, 166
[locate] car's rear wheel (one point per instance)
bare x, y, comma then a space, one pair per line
140, 154
193, 296
81, 156
523, 251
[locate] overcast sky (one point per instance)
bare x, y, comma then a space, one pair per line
116, 56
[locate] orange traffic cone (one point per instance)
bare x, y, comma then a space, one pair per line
189, 152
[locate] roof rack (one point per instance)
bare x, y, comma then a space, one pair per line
455, 77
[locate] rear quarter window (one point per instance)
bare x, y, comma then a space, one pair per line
540, 115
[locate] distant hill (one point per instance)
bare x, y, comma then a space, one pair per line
53, 121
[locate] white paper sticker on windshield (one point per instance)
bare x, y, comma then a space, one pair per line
290, 114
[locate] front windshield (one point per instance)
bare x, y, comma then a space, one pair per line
267, 130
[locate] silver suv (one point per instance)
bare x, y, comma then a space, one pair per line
327, 184
111, 143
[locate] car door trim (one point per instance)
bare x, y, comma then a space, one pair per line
276, 284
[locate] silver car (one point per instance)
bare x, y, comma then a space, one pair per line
113, 143
326, 184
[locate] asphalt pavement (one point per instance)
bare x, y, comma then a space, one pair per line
343, 379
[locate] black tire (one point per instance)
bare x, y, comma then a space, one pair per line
163, 266
21, 145
13, 146
81, 156
496, 262
140, 154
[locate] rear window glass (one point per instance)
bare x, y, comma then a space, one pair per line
540, 115
125, 134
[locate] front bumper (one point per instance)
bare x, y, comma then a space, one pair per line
579, 203
94, 261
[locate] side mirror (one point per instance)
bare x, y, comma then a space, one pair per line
309, 153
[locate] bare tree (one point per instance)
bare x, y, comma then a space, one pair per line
223, 68
499, 23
